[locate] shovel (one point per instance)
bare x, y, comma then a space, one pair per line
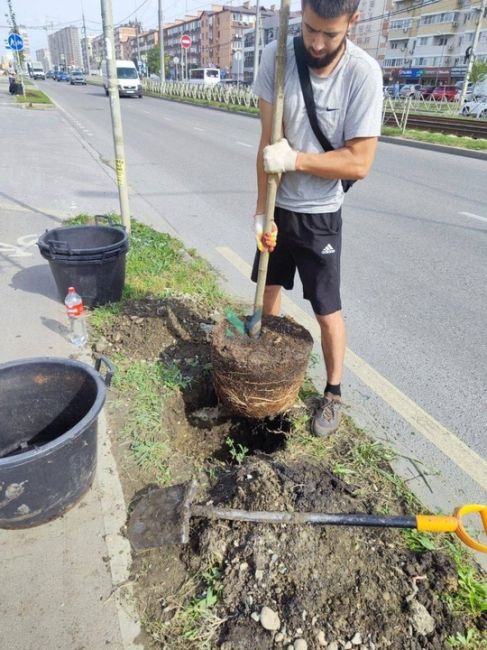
163, 515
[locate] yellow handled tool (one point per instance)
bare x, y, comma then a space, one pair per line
454, 524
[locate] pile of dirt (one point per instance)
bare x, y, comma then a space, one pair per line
239, 586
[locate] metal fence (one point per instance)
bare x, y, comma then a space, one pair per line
229, 95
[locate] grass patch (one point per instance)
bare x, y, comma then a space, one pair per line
462, 142
33, 96
471, 595
195, 624
471, 640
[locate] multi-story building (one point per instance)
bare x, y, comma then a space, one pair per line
269, 27
65, 49
122, 36
370, 33
25, 38
98, 50
190, 26
139, 46
43, 56
430, 44
89, 60
222, 37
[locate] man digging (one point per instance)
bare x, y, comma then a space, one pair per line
346, 84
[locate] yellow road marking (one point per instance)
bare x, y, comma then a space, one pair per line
446, 441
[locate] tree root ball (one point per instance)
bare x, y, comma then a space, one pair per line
260, 377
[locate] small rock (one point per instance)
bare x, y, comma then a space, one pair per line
320, 637
304, 614
255, 616
225, 646
357, 639
300, 644
299, 632
269, 619
274, 558
333, 645
101, 345
423, 622
259, 574
314, 620
290, 647
348, 645
250, 600
279, 638
243, 567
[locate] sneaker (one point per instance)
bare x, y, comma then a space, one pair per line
328, 416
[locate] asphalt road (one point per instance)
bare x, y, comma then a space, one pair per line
414, 263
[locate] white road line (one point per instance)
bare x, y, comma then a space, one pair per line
197, 128
447, 442
244, 144
168, 119
473, 216
146, 112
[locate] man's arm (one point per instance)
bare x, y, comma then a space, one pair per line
265, 138
351, 162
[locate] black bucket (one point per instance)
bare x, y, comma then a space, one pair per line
89, 258
48, 436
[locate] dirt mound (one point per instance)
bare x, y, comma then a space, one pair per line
330, 587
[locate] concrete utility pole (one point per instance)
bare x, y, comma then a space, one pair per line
107, 19
86, 53
471, 58
161, 44
257, 39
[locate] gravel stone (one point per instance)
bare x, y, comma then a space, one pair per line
300, 644
333, 645
423, 622
279, 638
320, 637
255, 616
357, 639
269, 619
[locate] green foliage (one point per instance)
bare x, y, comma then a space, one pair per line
237, 452
33, 96
419, 542
463, 142
152, 455
154, 61
478, 72
471, 595
472, 640
172, 378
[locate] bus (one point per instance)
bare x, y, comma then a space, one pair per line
206, 76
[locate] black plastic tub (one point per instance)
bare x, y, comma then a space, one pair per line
90, 258
93, 240
98, 281
49, 411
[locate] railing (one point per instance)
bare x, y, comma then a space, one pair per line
229, 95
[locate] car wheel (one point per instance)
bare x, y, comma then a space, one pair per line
106, 92
465, 110
140, 96
483, 113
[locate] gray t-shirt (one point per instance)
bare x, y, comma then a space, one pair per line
348, 105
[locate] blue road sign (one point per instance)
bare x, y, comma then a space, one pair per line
16, 42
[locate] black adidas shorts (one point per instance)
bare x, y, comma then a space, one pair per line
312, 244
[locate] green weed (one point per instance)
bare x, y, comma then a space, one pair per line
472, 640
419, 542
462, 142
152, 454
471, 595
171, 377
237, 452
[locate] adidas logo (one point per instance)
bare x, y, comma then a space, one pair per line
328, 250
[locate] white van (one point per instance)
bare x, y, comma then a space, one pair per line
127, 78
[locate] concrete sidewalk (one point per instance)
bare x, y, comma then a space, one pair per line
63, 585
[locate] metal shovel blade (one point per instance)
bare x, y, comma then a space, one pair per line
161, 517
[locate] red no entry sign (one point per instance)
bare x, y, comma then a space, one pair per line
186, 41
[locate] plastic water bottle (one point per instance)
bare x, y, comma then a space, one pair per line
75, 313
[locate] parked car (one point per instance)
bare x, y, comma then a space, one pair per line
77, 78
50, 74
445, 93
62, 76
475, 108
409, 90
469, 93
424, 92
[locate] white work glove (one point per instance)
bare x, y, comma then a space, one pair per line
279, 157
265, 241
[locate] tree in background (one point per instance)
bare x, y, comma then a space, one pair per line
12, 20
153, 61
478, 72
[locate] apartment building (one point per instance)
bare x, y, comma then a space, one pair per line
269, 27
65, 48
370, 33
97, 50
138, 46
122, 37
222, 37
89, 61
190, 26
429, 44
43, 56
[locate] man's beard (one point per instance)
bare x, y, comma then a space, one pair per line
323, 61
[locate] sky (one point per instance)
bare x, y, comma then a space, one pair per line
41, 13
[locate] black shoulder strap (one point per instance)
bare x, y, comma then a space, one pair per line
307, 91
